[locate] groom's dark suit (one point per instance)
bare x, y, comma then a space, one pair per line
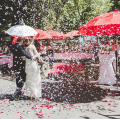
19, 65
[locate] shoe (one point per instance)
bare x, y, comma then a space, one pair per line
17, 93
16, 96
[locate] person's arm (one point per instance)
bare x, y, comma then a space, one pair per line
25, 53
38, 55
50, 48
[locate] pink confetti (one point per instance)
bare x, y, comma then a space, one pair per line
40, 115
109, 104
32, 108
64, 106
48, 116
71, 104
49, 106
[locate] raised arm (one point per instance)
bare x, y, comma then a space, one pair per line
37, 55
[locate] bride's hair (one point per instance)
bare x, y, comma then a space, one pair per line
28, 41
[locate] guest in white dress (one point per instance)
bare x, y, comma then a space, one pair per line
107, 75
33, 78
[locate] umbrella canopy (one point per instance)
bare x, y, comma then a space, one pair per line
55, 34
42, 34
21, 30
72, 33
106, 24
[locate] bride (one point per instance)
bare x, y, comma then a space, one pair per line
33, 78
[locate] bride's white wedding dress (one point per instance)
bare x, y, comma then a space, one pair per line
33, 78
107, 75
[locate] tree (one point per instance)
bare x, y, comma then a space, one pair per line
84, 10
11, 11
60, 15
116, 5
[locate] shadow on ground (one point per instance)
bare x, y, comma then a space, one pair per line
72, 91
12, 98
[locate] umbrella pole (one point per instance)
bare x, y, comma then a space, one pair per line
116, 54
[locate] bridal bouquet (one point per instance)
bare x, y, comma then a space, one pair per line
45, 70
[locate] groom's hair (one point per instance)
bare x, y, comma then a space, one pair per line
19, 39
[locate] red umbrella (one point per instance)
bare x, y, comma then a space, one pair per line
106, 24
42, 34
72, 33
68, 68
55, 34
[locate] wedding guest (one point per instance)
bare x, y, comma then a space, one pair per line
50, 50
1, 49
4, 48
37, 45
70, 48
118, 46
5, 43
43, 51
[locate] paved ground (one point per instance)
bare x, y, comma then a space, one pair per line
27, 109
107, 108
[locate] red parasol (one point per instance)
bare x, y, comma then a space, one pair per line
106, 24
42, 34
55, 34
68, 68
72, 33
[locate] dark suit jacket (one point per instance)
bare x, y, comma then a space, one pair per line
18, 53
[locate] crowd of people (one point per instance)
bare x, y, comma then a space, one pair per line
4, 48
33, 50
48, 47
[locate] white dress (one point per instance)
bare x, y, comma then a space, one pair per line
107, 75
33, 78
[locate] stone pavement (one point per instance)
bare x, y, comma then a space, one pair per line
107, 108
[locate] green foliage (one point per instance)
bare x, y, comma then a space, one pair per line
60, 15
116, 5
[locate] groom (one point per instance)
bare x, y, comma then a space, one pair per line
19, 65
